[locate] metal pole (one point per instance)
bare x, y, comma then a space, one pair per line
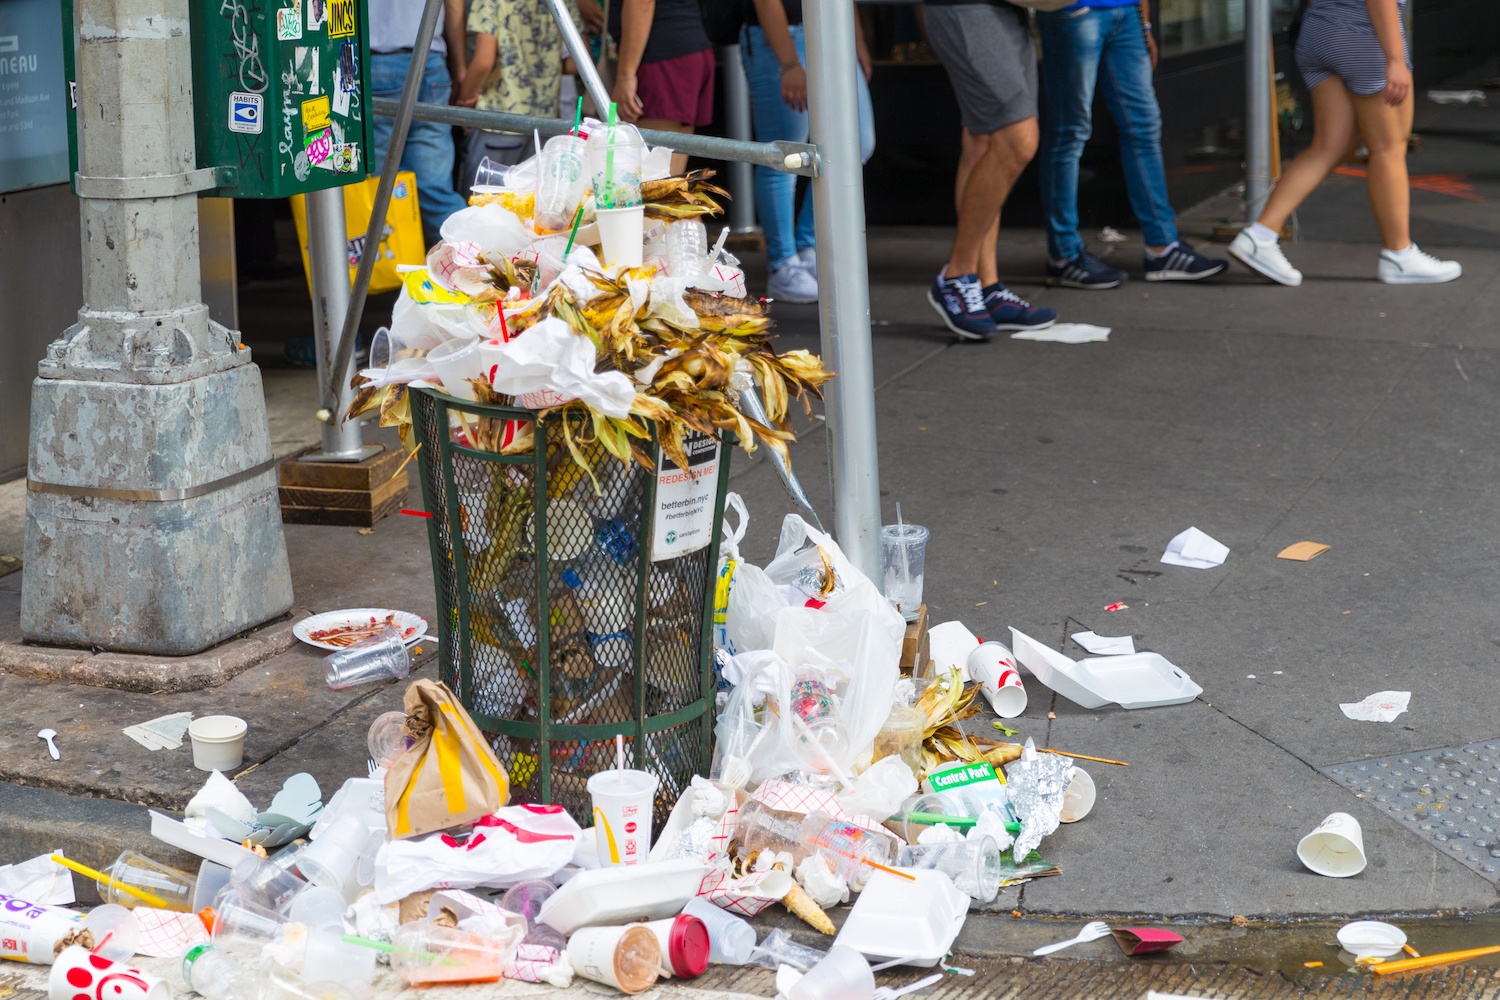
328, 263
579, 50
1258, 92
843, 281
423, 44
737, 110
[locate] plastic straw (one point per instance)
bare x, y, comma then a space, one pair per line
901, 534
102, 942
536, 137
866, 861
578, 116
1408, 964
365, 942
619, 753
609, 158
110, 880
577, 218
959, 822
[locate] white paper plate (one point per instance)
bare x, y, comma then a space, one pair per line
1371, 939
354, 616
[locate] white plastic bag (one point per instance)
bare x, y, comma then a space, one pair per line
551, 357
747, 603
799, 563
509, 847
817, 639
494, 229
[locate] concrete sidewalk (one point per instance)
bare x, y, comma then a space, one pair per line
1345, 412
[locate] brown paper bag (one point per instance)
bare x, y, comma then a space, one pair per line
449, 776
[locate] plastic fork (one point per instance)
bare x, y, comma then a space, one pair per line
1091, 932
886, 993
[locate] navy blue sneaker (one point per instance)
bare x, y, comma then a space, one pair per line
1084, 271
960, 301
1180, 262
1011, 312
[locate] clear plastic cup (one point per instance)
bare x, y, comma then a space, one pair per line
901, 736
174, 888
779, 949
973, 864
215, 975
243, 926
277, 982
212, 877
489, 176
329, 958
379, 658
615, 155
333, 861
731, 939
387, 738
903, 553
116, 932
318, 907
526, 898
623, 801
456, 362
847, 848
842, 975
921, 812
560, 183
266, 881
424, 952
820, 739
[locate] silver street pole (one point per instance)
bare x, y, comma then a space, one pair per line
1258, 122
576, 47
843, 281
328, 264
737, 111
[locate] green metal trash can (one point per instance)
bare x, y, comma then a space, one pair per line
572, 608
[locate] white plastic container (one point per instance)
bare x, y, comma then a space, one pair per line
218, 742
894, 918
618, 894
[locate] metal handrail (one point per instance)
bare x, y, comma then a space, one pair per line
790, 157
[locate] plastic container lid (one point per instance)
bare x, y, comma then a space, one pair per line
687, 946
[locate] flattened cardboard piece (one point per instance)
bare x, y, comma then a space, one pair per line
1303, 551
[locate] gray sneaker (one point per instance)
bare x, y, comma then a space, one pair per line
791, 282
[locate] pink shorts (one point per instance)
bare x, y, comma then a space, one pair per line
678, 90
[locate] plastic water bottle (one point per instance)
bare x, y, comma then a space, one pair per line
215, 974
687, 249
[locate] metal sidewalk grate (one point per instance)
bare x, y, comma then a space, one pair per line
1450, 797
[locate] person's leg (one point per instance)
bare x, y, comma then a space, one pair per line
987, 169
1385, 131
387, 75
679, 160
773, 119
1071, 45
1130, 96
1333, 135
429, 153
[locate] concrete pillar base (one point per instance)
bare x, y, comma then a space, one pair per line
134, 540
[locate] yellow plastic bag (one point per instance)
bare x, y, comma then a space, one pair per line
402, 243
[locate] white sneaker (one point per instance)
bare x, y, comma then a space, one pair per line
791, 282
1265, 259
1417, 268
809, 259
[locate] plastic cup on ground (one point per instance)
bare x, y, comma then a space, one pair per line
992, 666
218, 742
387, 738
318, 907
1079, 798
212, 877
116, 932
424, 952
333, 860
456, 362
560, 183
329, 958
623, 801
842, 975
731, 939
922, 812
684, 944
272, 884
277, 982
627, 958
76, 972
526, 898
172, 887
243, 926
381, 657
901, 736
621, 232
1335, 848
973, 864
903, 555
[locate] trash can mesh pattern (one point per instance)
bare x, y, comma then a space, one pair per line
557, 631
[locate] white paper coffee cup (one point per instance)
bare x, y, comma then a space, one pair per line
1079, 798
1336, 848
621, 232
622, 815
79, 973
992, 666
627, 958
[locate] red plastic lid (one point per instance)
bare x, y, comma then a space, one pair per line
687, 946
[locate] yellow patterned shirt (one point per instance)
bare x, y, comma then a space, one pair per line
528, 57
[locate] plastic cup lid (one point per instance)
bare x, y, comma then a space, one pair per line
687, 946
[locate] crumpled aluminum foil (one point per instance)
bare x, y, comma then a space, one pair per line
1037, 784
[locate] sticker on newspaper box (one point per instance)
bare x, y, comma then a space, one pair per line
245, 113
683, 521
289, 23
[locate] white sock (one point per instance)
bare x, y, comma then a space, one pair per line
1400, 254
1164, 250
1263, 234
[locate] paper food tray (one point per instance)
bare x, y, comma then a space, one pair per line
1139, 680
623, 894
916, 921
174, 832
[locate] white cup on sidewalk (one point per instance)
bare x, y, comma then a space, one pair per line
623, 800
1336, 848
993, 667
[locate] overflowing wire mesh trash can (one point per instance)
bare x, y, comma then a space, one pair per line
557, 629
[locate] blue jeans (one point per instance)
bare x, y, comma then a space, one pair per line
776, 192
1082, 48
429, 148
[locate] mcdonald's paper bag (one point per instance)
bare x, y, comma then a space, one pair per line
449, 776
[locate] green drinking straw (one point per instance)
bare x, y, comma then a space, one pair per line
577, 218
578, 117
609, 158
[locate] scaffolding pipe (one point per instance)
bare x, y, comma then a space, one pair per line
843, 282
1258, 102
